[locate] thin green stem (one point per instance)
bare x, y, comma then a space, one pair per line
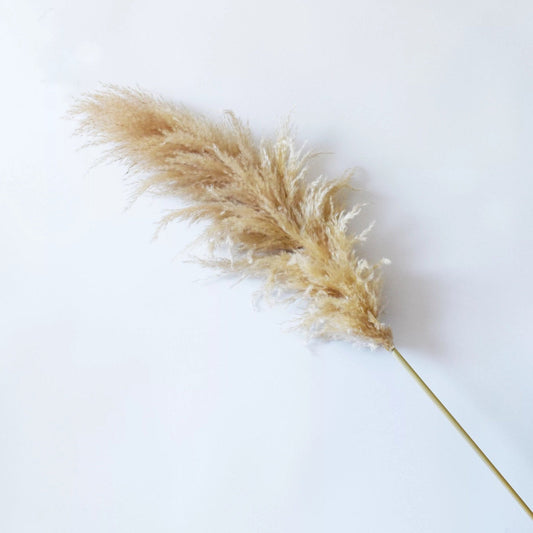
462, 431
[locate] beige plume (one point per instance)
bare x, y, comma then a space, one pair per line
258, 201
259, 205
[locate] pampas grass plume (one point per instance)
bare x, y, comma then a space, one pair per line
260, 205
257, 199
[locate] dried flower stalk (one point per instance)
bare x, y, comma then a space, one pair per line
259, 205
256, 197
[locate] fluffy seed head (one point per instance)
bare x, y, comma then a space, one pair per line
256, 198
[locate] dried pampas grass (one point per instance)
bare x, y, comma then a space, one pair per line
258, 204
257, 200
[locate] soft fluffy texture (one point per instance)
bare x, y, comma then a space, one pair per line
258, 203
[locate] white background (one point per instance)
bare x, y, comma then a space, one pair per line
138, 393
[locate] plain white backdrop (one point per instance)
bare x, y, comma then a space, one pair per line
138, 393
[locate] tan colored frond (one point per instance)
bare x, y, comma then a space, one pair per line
280, 226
